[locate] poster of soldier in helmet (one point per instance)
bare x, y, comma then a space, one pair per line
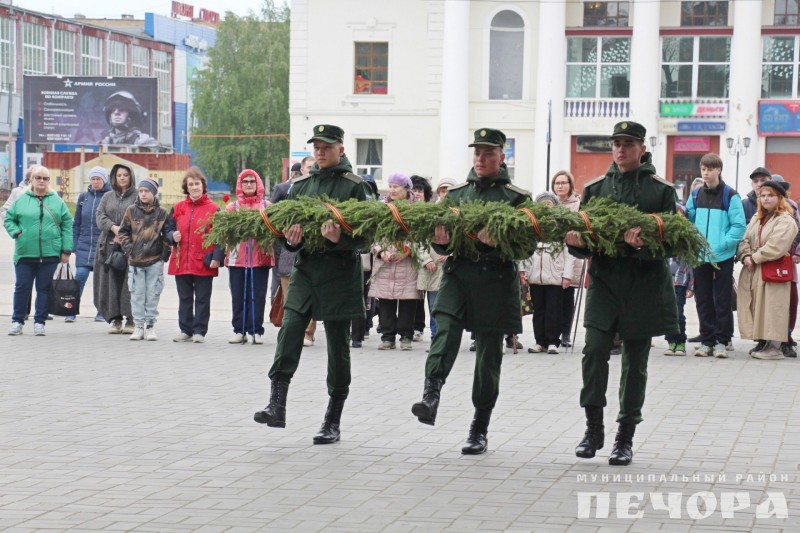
85, 110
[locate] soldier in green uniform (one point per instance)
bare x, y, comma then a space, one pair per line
324, 285
631, 295
480, 294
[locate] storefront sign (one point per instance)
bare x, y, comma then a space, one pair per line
689, 126
779, 117
718, 109
692, 144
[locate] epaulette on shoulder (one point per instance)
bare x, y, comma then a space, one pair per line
518, 190
662, 180
300, 178
454, 187
596, 180
355, 178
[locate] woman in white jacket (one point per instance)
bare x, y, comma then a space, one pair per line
549, 276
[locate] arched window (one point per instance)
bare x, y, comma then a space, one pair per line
506, 54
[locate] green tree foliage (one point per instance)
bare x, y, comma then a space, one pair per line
244, 90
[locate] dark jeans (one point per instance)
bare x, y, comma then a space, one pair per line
712, 294
248, 298
397, 318
419, 316
194, 303
680, 299
547, 314
27, 275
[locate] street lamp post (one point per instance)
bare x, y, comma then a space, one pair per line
737, 148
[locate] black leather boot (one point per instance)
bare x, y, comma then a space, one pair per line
595, 436
476, 441
329, 430
426, 409
274, 414
622, 454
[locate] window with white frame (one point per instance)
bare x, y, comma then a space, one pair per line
6, 55
34, 48
64, 52
506, 56
779, 66
161, 69
117, 58
91, 56
695, 67
369, 157
598, 67
140, 62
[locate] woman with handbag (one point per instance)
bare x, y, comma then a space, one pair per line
111, 295
41, 225
764, 282
193, 264
248, 267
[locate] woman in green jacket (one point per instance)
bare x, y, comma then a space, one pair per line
41, 225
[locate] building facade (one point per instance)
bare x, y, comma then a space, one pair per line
409, 81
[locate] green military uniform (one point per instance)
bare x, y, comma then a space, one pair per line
632, 295
325, 285
480, 294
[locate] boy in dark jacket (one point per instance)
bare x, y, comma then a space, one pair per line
143, 241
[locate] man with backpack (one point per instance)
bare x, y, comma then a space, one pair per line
717, 212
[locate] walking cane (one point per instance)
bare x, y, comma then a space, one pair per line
577, 306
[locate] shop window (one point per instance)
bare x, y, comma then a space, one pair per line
371, 68
506, 56
704, 13
695, 67
369, 157
598, 67
605, 13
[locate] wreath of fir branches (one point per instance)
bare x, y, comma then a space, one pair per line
511, 227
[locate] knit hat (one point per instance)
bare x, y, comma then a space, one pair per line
150, 183
547, 195
400, 179
99, 172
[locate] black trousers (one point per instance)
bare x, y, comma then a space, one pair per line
419, 315
359, 325
248, 298
194, 303
567, 310
397, 318
712, 294
547, 314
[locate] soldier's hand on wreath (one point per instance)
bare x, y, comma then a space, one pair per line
573, 238
483, 236
441, 236
293, 235
331, 231
633, 239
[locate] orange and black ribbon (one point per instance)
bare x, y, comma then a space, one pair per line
536, 228
586, 223
338, 214
468, 234
272, 229
398, 217
660, 224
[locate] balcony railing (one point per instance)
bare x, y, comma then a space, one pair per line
597, 108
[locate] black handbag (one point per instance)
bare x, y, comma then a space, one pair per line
117, 260
65, 293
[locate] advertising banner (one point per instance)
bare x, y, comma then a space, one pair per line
779, 117
91, 110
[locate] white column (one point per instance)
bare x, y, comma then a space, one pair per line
745, 90
551, 86
646, 74
454, 135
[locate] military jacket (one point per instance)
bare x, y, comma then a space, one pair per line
483, 292
329, 283
632, 294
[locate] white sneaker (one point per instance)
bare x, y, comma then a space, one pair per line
182, 337
198, 338
417, 336
128, 327
256, 339
138, 333
16, 329
150, 334
237, 339
308, 342
115, 328
38, 330
552, 349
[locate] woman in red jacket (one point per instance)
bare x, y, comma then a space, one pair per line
193, 264
248, 267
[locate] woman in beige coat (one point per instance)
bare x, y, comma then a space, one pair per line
563, 184
763, 307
